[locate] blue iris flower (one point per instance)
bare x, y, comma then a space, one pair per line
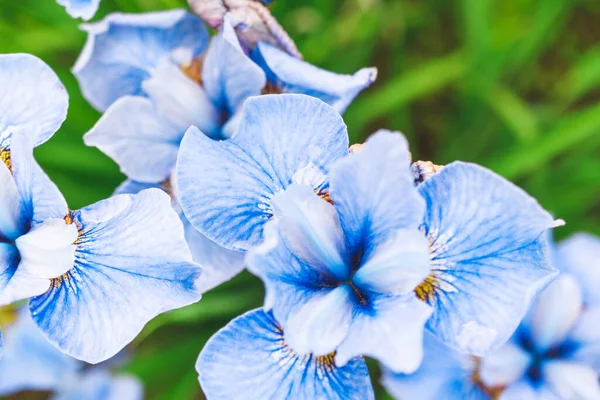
483, 238
249, 359
32, 363
554, 354
165, 80
94, 276
84, 9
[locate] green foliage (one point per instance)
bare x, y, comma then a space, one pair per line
511, 84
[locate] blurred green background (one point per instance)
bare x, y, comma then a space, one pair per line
511, 84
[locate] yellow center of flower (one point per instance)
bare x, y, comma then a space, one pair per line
5, 156
324, 194
194, 70
427, 289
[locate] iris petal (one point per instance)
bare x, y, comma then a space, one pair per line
132, 263
30, 362
505, 366
11, 221
249, 359
225, 188
390, 330
141, 141
32, 99
489, 255
580, 256
292, 75
570, 380
84, 9
228, 74
123, 49
555, 312
374, 194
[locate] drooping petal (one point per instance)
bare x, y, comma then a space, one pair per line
570, 380
131, 264
580, 256
555, 312
228, 74
40, 198
84, 9
122, 50
444, 374
396, 266
33, 101
249, 359
30, 362
505, 366
489, 256
12, 223
225, 188
181, 100
322, 323
100, 385
390, 329
292, 75
374, 194
310, 229
143, 142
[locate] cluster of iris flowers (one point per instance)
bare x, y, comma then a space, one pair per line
237, 157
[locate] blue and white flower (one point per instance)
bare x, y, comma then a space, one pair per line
94, 276
31, 363
84, 9
489, 256
249, 359
553, 355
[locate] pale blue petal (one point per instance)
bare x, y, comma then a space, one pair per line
289, 282
505, 366
569, 380
396, 266
123, 49
292, 75
444, 375
310, 228
32, 99
489, 255
84, 9
580, 256
218, 263
555, 312
100, 385
322, 323
225, 188
30, 362
249, 359
374, 194
526, 390
40, 198
389, 329
228, 74
143, 142
131, 264
585, 335
182, 100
